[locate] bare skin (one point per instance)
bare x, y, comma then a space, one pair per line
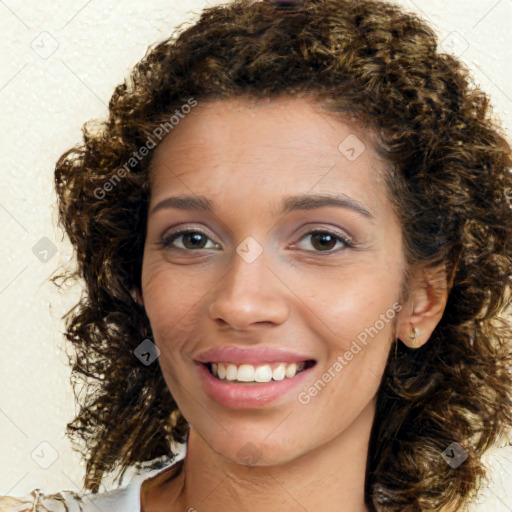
307, 451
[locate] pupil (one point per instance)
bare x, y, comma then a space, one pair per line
325, 236
195, 237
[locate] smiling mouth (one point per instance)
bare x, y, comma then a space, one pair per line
261, 373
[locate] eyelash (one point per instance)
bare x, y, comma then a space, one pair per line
166, 242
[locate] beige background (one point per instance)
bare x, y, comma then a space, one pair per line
60, 63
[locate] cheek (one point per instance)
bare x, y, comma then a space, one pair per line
170, 300
176, 303
343, 302
343, 387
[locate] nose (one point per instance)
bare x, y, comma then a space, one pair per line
250, 294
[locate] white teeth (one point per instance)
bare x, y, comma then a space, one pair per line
249, 373
291, 370
263, 373
279, 372
245, 373
231, 372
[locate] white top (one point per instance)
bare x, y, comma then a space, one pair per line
122, 499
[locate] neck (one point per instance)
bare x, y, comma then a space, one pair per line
330, 477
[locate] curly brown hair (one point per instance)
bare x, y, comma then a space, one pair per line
449, 180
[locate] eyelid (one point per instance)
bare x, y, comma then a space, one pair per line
329, 230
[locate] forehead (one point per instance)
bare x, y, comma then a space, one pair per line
275, 145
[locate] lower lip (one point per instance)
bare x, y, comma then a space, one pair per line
249, 396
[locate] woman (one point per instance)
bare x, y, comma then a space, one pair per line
295, 230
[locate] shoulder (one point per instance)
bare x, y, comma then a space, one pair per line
37, 501
122, 499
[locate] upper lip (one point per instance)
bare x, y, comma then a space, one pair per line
236, 355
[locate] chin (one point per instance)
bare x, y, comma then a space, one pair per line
251, 450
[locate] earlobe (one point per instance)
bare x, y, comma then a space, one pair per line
415, 339
424, 309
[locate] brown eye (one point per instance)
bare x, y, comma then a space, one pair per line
196, 240
325, 241
190, 240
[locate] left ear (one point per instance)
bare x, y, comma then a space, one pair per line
424, 308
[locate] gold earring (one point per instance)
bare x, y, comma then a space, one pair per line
413, 337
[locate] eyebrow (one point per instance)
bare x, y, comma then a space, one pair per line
288, 204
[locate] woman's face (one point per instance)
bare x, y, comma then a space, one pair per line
291, 254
